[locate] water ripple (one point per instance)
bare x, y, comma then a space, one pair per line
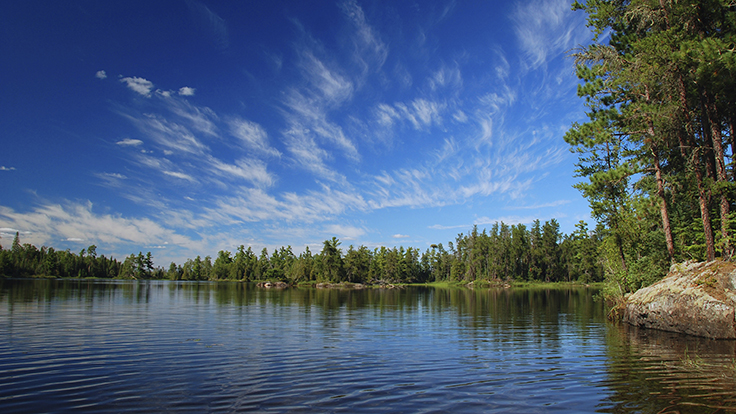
177, 347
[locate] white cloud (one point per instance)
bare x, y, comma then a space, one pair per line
308, 106
195, 118
460, 116
307, 115
420, 113
409, 188
400, 236
308, 155
139, 85
111, 178
171, 134
547, 27
386, 115
442, 227
4, 168
129, 142
78, 221
447, 77
254, 204
179, 175
427, 112
251, 170
370, 51
493, 102
344, 232
252, 135
101, 74
186, 91
327, 83
510, 220
545, 205
10, 231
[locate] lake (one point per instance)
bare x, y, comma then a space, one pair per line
119, 346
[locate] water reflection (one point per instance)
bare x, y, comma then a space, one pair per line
232, 346
478, 304
653, 371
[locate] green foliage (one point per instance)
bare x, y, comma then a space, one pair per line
653, 153
539, 253
26, 260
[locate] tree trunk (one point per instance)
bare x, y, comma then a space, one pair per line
660, 188
733, 149
687, 140
707, 134
720, 164
663, 206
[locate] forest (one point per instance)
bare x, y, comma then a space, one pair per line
655, 162
503, 253
656, 153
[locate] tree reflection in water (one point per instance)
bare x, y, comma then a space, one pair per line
653, 371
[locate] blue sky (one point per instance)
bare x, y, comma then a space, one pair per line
188, 127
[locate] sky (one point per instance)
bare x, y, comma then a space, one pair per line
186, 127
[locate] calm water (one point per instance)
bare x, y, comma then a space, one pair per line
206, 347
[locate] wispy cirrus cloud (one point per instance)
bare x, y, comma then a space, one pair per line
420, 113
253, 136
308, 106
488, 221
179, 175
447, 78
50, 222
510, 220
369, 50
478, 156
195, 118
182, 136
539, 206
111, 180
444, 227
210, 23
251, 170
167, 133
344, 232
308, 155
327, 86
546, 28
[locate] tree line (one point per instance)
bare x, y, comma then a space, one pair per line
656, 153
27, 260
502, 253
538, 253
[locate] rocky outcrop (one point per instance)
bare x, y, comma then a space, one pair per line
694, 299
344, 285
275, 285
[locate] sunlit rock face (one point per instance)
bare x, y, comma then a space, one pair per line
694, 299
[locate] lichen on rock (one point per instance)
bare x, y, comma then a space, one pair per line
694, 298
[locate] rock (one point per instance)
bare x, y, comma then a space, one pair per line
341, 285
694, 298
269, 285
